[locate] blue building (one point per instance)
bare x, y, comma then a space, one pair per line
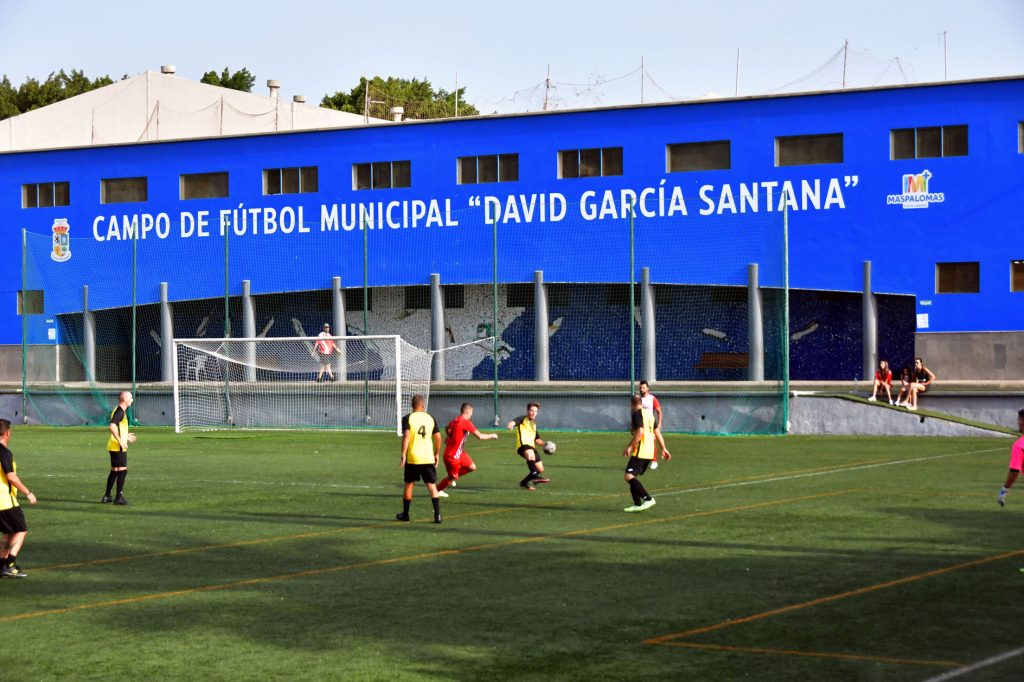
925, 182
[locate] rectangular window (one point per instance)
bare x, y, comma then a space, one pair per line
957, 278
590, 163
1020, 137
123, 190
290, 180
928, 143
806, 150
491, 168
30, 302
382, 175
204, 185
1017, 275
454, 296
417, 298
45, 194
698, 156
519, 295
354, 300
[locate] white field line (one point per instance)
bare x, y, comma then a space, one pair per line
999, 658
467, 490
826, 472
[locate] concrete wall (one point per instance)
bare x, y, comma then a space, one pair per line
973, 355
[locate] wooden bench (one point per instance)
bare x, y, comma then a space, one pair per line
722, 361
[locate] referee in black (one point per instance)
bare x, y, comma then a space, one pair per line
12, 519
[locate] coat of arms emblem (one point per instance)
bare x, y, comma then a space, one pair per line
61, 240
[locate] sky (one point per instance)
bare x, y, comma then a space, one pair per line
501, 52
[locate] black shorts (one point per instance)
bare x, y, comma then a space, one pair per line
420, 472
12, 521
536, 451
118, 459
637, 466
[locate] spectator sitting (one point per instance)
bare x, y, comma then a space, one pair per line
883, 380
903, 396
922, 379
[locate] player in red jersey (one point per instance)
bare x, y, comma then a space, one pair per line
457, 461
1016, 461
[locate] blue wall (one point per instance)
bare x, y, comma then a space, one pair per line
979, 219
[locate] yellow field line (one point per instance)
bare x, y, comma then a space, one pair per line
663, 639
403, 559
816, 654
388, 524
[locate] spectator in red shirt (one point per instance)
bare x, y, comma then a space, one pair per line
457, 461
883, 381
325, 348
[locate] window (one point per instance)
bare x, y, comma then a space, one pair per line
471, 170
204, 186
1017, 275
417, 298
290, 180
928, 143
957, 278
698, 156
123, 190
519, 295
354, 299
381, 175
1020, 137
30, 302
46, 194
805, 150
588, 163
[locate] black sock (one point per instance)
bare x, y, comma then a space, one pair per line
637, 500
533, 467
111, 478
437, 506
121, 475
11, 559
644, 495
405, 506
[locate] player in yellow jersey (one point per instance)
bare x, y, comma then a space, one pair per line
12, 518
528, 442
641, 453
117, 446
421, 444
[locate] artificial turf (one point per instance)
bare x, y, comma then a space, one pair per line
276, 556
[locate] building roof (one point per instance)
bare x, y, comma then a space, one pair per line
159, 106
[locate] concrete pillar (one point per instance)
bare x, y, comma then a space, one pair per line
340, 328
88, 336
755, 325
541, 356
869, 317
437, 369
248, 331
167, 368
648, 334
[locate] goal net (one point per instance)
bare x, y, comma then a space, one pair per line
360, 382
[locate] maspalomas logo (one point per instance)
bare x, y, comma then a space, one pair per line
916, 193
61, 240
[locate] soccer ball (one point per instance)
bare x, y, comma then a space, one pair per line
549, 447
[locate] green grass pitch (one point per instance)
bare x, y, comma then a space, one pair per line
276, 556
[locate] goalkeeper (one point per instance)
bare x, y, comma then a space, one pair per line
325, 348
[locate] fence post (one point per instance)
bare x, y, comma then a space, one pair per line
755, 325
648, 338
437, 367
249, 330
340, 328
167, 367
541, 355
869, 316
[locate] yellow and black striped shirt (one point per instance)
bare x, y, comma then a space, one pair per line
119, 417
526, 432
644, 420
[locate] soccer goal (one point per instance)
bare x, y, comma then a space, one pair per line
286, 383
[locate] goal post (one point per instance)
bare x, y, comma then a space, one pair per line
360, 382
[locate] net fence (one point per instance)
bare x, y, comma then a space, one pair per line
503, 315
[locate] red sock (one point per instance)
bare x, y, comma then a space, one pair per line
443, 484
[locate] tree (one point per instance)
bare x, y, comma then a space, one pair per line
417, 97
239, 80
32, 94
